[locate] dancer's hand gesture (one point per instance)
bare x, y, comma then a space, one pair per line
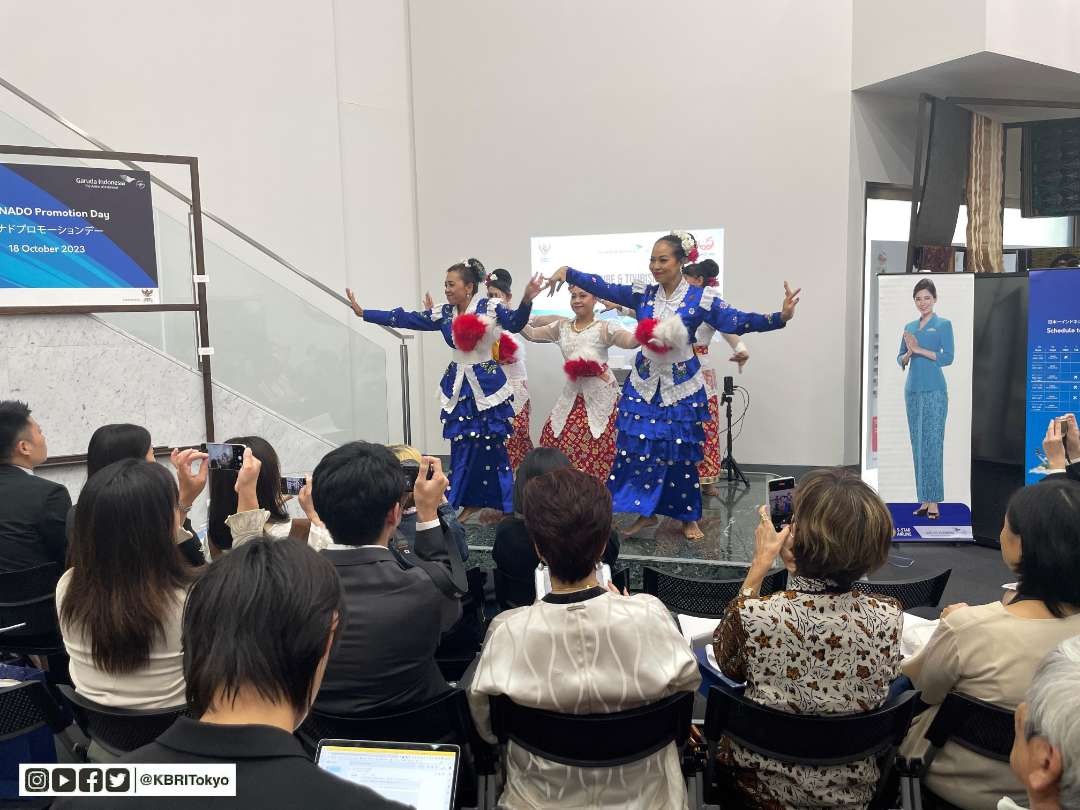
558, 278
429, 302
533, 288
352, 303
791, 298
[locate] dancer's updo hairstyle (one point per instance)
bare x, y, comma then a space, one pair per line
500, 279
471, 272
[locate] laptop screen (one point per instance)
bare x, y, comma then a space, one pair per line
419, 774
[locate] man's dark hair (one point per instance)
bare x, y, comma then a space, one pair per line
568, 518
353, 489
259, 619
1047, 518
537, 461
115, 442
14, 421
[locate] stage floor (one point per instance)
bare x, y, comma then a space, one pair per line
728, 521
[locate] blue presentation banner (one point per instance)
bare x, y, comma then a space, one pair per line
1053, 386
76, 235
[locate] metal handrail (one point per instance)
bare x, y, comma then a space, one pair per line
403, 356
157, 181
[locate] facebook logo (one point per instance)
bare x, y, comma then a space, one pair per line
90, 780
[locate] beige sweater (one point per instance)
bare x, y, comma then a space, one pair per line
984, 652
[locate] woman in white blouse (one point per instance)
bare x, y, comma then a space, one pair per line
121, 601
582, 421
228, 526
582, 649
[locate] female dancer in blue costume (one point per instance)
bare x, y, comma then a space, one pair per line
664, 400
477, 400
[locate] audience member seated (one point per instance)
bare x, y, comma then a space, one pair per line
258, 628
817, 648
990, 652
121, 601
410, 459
513, 551
1061, 444
582, 649
1046, 748
230, 523
32, 510
111, 443
385, 659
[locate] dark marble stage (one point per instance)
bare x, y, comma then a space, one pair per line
728, 521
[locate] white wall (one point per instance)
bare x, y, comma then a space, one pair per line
1042, 31
299, 117
565, 117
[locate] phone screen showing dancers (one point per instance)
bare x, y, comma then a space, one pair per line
224, 456
292, 484
781, 501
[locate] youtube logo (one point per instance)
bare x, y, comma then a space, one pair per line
63, 780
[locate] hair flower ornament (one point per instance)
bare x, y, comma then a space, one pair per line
689, 244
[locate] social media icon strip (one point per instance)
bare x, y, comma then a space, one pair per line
148, 779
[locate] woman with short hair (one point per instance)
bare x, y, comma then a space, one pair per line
121, 600
818, 647
990, 652
546, 656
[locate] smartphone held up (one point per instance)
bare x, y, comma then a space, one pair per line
781, 501
224, 456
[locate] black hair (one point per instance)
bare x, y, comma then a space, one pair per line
111, 443
537, 461
354, 488
676, 243
1047, 518
471, 272
1066, 260
706, 269
925, 284
14, 421
259, 619
127, 573
223, 497
500, 279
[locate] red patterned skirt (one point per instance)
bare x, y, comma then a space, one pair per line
519, 442
588, 454
709, 467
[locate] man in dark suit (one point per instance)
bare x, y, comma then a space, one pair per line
385, 659
33, 510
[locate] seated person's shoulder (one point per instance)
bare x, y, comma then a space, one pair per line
971, 618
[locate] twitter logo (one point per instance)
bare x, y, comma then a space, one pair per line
117, 780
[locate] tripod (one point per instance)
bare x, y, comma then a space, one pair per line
734, 472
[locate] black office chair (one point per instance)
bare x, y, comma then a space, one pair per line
115, 730
445, 719
28, 608
460, 646
705, 598
976, 725
910, 593
593, 740
512, 592
804, 739
28, 706
621, 579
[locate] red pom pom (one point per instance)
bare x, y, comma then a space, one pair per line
467, 331
508, 349
579, 367
644, 334
693, 254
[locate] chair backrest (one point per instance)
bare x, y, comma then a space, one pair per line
512, 592
119, 730
27, 706
594, 740
808, 739
975, 724
706, 598
28, 597
621, 579
910, 593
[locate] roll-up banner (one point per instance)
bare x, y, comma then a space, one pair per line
74, 235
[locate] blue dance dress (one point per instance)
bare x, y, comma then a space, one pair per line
477, 408
664, 401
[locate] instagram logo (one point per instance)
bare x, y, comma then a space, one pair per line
37, 780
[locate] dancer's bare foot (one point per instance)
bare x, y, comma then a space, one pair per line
643, 522
710, 490
691, 531
467, 513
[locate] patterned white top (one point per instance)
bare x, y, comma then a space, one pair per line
516, 374
600, 394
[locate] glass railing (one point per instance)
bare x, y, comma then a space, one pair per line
279, 340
